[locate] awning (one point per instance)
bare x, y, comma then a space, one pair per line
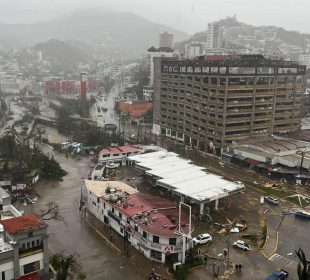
32, 276
252, 161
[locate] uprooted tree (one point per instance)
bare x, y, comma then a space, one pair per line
51, 212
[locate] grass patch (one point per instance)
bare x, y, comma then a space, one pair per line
264, 237
252, 237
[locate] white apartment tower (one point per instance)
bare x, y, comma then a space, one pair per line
165, 40
214, 36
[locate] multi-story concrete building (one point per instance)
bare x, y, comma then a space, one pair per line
149, 223
304, 59
193, 49
23, 248
214, 36
166, 40
209, 102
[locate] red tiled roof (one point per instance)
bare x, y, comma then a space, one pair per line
161, 222
23, 223
122, 149
32, 276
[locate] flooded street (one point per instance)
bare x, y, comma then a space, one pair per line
99, 261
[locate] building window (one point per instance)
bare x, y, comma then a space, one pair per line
156, 255
31, 267
172, 241
144, 234
120, 215
155, 239
122, 229
106, 219
30, 234
23, 246
104, 205
38, 242
112, 210
28, 245
136, 228
33, 243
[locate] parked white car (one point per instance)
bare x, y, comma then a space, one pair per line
202, 239
242, 245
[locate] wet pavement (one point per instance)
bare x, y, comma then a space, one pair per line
75, 236
101, 262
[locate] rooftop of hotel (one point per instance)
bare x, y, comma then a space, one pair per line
100, 188
184, 177
153, 213
236, 60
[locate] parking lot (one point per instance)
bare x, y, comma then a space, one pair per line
278, 253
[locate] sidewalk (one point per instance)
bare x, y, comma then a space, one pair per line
136, 259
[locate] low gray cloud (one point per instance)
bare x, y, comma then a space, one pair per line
187, 15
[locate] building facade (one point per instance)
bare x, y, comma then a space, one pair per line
193, 49
166, 40
24, 250
207, 103
304, 59
147, 222
153, 53
214, 36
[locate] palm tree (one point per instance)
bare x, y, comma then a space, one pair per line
303, 267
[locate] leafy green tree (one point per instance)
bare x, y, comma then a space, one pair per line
51, 169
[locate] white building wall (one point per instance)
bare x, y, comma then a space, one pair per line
8, 269
30, 259
144, 245
151, 56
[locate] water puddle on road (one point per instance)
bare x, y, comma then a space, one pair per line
54, 136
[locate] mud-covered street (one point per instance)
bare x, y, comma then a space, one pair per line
75, 236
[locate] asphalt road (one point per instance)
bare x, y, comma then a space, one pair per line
99, 261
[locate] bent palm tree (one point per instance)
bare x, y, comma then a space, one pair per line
303, 267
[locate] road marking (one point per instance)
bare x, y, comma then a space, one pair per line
281, 261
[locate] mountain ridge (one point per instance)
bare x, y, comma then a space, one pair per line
116, 33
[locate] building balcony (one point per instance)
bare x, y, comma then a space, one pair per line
239, 119
263, 102
238, 111
238, 86
237, 102
32, 251
237, 127
264, 124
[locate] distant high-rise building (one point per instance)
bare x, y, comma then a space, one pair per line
165, 40
160, 52
214, 36
193, 49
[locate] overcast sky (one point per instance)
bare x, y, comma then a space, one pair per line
186, 15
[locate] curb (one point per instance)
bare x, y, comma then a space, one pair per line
276, 247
